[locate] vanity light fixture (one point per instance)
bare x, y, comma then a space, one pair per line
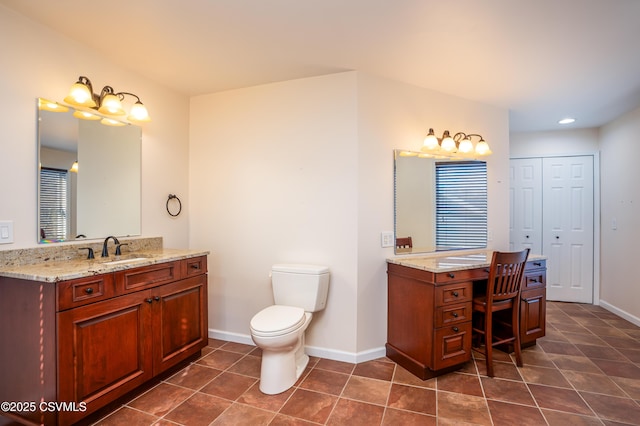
458, 145
108, 102
48, 105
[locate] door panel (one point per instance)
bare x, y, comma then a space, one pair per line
568, 227
526, 204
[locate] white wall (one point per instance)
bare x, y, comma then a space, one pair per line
559, 142
273, 180
302, 171
39, 62
620, 201
397, 115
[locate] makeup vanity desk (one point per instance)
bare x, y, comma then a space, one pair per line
429, 308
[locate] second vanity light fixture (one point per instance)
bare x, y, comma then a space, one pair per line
108, 103
458, 145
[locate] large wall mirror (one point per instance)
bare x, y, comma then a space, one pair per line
89, 177
440, 204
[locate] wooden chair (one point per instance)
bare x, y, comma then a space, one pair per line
503, 292
404, 242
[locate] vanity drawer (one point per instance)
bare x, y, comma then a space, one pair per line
463, 275
194, 266
150, 276
452, 345
83, 291
534, 279
452, 314
535, 264
453, 293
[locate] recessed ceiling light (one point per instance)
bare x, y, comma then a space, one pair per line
567, 120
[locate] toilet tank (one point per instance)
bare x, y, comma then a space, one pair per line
304, 286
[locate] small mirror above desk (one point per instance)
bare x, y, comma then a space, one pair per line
440, 204
429, 308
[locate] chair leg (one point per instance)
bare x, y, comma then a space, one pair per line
488, 343
515, 324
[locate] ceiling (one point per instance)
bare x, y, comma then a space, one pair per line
543, 59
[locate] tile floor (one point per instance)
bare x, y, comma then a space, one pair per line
586, 371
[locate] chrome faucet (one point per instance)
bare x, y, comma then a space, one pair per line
105, 252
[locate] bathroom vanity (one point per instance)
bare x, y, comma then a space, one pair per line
86, 332
430, 303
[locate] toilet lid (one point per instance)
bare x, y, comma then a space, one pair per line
278, 319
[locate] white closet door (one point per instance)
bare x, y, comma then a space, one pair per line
526, 205
568, 227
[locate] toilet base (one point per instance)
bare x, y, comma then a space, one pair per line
281, 369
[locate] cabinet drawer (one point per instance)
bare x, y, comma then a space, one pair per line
452, 345
83, 291
194, 266
453, 293
452, 314
534, 279
463, 275
147, 276
535, 264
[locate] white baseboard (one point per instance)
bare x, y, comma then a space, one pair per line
316, 351
611, 308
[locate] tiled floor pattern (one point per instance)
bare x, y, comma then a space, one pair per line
586, 371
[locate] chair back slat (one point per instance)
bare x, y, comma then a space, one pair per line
505, 275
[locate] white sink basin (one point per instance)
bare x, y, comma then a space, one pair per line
124, 261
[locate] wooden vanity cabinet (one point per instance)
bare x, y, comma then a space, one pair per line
429, 319
112, 333
429, 315
533, 302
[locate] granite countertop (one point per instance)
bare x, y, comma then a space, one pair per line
54, 271
450, 262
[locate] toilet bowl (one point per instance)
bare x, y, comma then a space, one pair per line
279, 330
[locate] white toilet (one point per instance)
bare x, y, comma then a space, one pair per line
298, 291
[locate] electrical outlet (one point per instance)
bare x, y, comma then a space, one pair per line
386, 239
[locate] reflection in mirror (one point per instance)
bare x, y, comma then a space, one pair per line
88, 176
440, 204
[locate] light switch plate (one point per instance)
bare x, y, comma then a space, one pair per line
6, 231
386, 239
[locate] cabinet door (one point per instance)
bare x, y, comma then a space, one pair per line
179, 321
452, 345
532, 315
104, 351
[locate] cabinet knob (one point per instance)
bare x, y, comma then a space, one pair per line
557, 237
527, 236
156, 298
455, 294
149, 300
455, 315
451, 275
456, 329
88, 290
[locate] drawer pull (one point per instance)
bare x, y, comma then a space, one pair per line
194, 266
451, 275
537, 264
533, 280
88, 290
455, 294
455, 315
149, 300
456, 329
